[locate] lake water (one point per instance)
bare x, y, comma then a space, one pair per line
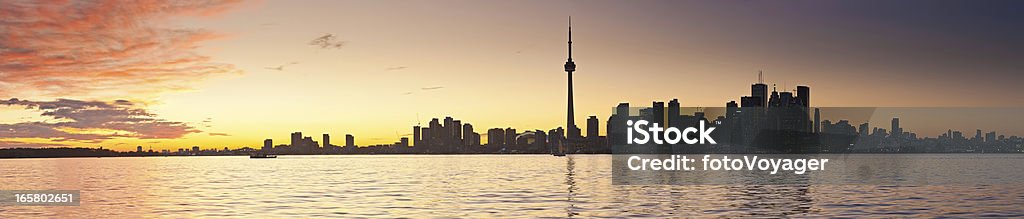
473, 186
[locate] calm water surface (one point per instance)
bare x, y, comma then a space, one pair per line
472, 186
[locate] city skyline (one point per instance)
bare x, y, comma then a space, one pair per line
238, 72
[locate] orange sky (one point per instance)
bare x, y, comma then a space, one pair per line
206, 73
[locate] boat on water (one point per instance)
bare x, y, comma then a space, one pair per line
256, 156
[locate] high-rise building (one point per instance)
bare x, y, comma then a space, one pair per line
592, 130
350, 141
510, 136
863, 129
817, 120
803, 93
673, 120
268, 144
457, 132
541, 139
296, 139
495, 137
404, 141
759, 91
570, 67
138, 149
467, 134
416, 136
658, 113
896, 131
327, 140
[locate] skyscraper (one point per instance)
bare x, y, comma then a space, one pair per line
592, 129
759, 91
268, 144
467, 134
327, 140
803, 93
570, 67
817, 120
296, 138
896, 131
350, 141
416, 136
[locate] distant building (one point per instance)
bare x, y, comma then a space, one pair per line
592, 127
138, 149
350, 141
416, 136
268, 144
327, 140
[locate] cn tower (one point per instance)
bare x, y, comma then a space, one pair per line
571, 130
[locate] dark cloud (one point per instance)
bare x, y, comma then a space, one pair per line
116, 119
63, 48
328, 41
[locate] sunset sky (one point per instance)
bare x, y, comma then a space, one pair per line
172, 74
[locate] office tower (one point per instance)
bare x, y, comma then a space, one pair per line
990, 137
467, 134
327, 140
673, 119
296, 138
495, 136
476, 139
138, 149
749, 101
658, 113
457, 132
863, 129
350, 141
731, 109
404, 142
435, 133
510, 136
570, 67
268, 144
448, 131
803, 93
786, 99
896, 131
416, 136
592, 130
817, 120
195, 149
977, 137
541, 139
759, 91
773, 99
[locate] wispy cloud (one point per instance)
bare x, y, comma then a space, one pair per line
219, 134
91, 122
396, 68
66, 48
432, 88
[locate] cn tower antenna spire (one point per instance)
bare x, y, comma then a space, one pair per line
570, 38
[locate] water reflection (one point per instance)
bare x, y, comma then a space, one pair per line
460, 186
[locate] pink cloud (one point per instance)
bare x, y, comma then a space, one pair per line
121, 116
61, 48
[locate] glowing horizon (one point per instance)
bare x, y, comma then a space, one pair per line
232, 73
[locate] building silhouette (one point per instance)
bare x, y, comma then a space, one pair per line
573, 133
